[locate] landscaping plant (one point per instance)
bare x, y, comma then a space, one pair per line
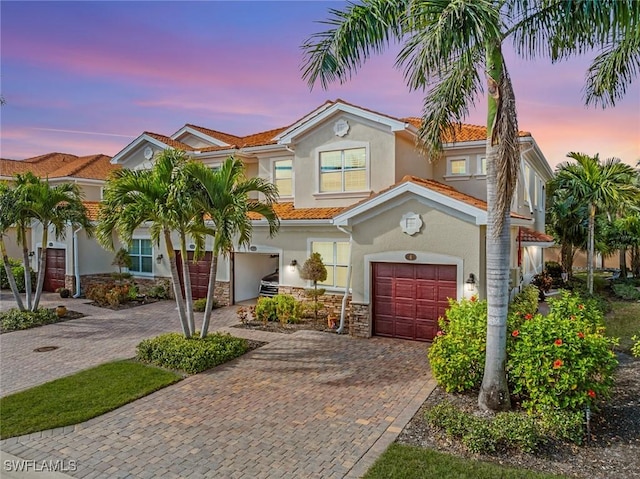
314, 270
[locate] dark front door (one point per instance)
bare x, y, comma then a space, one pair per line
198, 272
55, 270
408, 299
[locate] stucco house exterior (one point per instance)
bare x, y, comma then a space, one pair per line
75, 254
404, 232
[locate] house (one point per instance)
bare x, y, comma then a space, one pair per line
75, 254
404, 232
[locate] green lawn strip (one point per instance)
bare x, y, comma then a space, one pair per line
623, 322
80, 397
408, 462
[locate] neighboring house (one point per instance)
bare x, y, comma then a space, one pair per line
75, 254
404, 232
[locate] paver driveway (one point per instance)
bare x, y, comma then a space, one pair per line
309, 404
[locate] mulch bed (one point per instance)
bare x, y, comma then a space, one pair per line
127, 305
613, 449
276, 327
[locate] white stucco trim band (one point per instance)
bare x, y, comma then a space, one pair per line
421, 258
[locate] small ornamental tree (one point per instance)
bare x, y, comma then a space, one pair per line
121, 260
314, 270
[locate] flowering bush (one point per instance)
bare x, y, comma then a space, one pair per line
562, 360
458, 351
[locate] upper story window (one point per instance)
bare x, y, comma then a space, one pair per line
343, 170
141, 253
458, 166
283, 176
482, 165
335, 256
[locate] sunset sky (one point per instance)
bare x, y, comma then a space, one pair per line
89, 77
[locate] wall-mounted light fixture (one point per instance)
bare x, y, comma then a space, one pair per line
470, 283
159, 258
293, 264
32, 254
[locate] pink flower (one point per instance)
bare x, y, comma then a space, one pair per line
581, 335
591, 393
557, 364
473, 299
558, 342
515, 333
439, 333
528, 316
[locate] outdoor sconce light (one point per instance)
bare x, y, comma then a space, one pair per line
32, 254
159, 258
293, 264
470, 283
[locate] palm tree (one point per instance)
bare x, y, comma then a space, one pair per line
447, 44
601, 186
157, 197
55, 208
225, 197
8, 218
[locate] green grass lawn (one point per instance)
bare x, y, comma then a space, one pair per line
80, 397
406, 462
623, 322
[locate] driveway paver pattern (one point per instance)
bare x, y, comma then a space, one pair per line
307, 405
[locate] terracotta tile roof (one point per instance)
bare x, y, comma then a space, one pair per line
92, 209
531, 236
286, 211
169, 141
439, 188
226, 137
466, 132
61, 165
262, 138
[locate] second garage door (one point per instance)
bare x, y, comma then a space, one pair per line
408, 299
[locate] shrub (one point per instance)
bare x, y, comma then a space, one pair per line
282, 307
14, 319
17, 268
543, 281
192, 355
458, 351
561, 424
111, 294
199, 305
626, 291
523, 306
554, 269
159, 291
509, 430
266, 310
562, 360
635, 349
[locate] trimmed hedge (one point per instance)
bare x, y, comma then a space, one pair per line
14, 319
192, 355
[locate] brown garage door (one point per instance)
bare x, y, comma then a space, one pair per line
409, 298
198, 272
55, 269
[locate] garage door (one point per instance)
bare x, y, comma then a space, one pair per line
198, 272
55, 269
408, 299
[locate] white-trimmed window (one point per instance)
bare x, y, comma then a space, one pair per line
343, 170
141, 253
335, 256
283, 176
458, 166
482, 165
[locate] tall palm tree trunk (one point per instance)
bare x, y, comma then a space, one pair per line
186, 278
623, 262
42, 265
591, 247
10, 278
175, 279
27, 265
494, 391
566, 255
211, 289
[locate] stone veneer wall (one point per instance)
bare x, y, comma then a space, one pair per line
143, 284
70, 283
360, 324
223, 293
332, 301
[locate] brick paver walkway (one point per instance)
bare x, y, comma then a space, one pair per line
307, 405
